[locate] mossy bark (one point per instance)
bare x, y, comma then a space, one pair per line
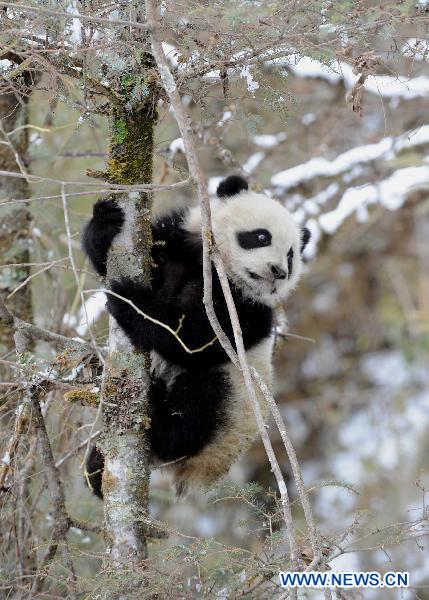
126, 381
14, 218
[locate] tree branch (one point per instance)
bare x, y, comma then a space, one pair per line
38, 333
81, 17
30, 401
62, 521
139, 187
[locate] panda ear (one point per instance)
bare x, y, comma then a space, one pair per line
232, 185
305, 237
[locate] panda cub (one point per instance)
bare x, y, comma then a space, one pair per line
198, 404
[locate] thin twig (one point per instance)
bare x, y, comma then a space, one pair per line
30, 277
61, 519
75, 450
174, 332
139, 187
76, 275
14, 151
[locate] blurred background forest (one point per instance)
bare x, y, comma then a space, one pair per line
353, 384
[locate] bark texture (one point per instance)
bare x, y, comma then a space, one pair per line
126, 382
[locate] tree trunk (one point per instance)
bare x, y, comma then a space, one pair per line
14, 218
15, 236
126, 381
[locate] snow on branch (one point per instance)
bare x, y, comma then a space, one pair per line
391, 192
387, 86
322, 167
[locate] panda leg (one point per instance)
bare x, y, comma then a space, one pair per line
186, 418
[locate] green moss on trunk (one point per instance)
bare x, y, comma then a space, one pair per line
131, 146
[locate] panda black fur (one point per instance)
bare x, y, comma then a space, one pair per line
197, 402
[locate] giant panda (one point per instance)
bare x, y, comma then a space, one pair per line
200, 415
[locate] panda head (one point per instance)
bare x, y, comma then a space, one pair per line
259, 241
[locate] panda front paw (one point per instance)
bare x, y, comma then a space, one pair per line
107, 213
134, 324
98, 234
138, 293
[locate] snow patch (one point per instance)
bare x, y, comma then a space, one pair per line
95, 306
387, 86
326, 194
5, 64
416, 49
253, 161
304, 66
414, 137
212, 184
225, 117
176, 146
308, 119
324, 361
269, 140
171, 53
246, 74
385, 368
35, 138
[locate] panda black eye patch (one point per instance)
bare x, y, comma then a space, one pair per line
257, 238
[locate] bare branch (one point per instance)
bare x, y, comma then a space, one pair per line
61, 519
140, 187
81, 17
37, 333
76, 275
75, 450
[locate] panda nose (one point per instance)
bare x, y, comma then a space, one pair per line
278, 272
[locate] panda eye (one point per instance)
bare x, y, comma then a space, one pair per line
258, 238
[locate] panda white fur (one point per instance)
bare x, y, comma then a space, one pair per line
198, 404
